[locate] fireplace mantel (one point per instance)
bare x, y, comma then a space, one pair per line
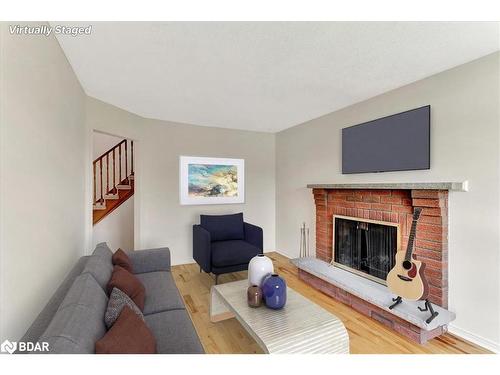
451, 186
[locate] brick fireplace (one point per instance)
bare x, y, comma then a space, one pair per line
392, 206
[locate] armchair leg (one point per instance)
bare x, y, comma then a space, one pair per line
200, 269
216, 279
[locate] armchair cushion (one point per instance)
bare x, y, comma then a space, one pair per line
224, 227
233, 252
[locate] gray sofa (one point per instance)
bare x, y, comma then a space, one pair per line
73, 319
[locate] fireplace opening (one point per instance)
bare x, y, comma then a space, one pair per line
365, 247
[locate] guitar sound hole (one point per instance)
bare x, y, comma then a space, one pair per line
407, 265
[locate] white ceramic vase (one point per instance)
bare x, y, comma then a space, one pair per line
259, 267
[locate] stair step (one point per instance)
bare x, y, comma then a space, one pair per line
123, 187
99, 206
111, 196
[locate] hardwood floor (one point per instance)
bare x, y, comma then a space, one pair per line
366, 335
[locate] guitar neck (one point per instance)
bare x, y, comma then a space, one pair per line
411, 239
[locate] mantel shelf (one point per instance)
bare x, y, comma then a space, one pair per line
452, 186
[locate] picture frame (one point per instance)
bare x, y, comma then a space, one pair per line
209, 180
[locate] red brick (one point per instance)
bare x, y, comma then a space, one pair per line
394, 217
420, 202
382, 319
429, 211
355, 198
342, 203
386, 216
371, 198
406, 202
428, 245
432, 220
381, 206
430, 228
407, 332
424, 253
436, 237
380, 191
403, 209
428, 193
362, 205
401, 193
391, 199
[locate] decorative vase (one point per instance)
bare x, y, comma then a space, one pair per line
254, 296
259, 267
274, 291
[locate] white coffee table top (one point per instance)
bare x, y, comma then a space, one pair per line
300, 327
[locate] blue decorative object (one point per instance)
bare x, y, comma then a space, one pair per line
274, 291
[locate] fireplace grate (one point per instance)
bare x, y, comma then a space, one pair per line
367, 248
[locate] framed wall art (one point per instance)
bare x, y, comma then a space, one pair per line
211, 180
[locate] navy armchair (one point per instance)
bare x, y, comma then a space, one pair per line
225, 243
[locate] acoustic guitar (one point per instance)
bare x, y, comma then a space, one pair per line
407, 279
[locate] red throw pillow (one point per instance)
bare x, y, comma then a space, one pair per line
128, 284
129, 335
120, 258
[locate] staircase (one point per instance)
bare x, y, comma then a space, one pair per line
113, 179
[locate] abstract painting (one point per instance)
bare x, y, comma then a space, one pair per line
211, 180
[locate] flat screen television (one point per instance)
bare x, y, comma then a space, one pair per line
399, 142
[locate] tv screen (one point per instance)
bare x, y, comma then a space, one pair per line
398, 142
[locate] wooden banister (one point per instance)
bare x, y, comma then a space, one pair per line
103, 162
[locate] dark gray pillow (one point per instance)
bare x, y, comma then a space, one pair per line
117, 301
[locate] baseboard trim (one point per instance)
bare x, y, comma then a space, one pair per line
478, 340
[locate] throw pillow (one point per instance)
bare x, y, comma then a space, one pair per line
117, 301
129, 335
120, 258
129, 284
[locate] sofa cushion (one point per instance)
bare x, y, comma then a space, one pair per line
79, 321
229, 253
120, 258
117, 301
174, 333
103, 250
129, 335
161, 292
224, 227
129, 284
100, 265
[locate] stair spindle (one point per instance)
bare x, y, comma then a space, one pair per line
95, 194
132, 156
101, 180
120, 163
107, 173
114, 170
126, 161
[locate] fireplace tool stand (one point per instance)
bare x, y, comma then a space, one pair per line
427, 307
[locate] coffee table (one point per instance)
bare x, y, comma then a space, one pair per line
300, 327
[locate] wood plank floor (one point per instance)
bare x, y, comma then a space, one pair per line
366, 335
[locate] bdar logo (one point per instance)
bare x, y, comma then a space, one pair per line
9, 347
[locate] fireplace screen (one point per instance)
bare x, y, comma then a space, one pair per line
365, 247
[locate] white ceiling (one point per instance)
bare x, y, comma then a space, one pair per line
263, 76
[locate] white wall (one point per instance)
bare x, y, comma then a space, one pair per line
159, 218
464, 146
42, 178
117, 229
103, 142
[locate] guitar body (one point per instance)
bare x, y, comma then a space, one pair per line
407, 280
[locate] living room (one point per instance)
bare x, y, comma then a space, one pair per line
276, 175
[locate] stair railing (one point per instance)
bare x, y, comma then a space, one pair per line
104, 175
